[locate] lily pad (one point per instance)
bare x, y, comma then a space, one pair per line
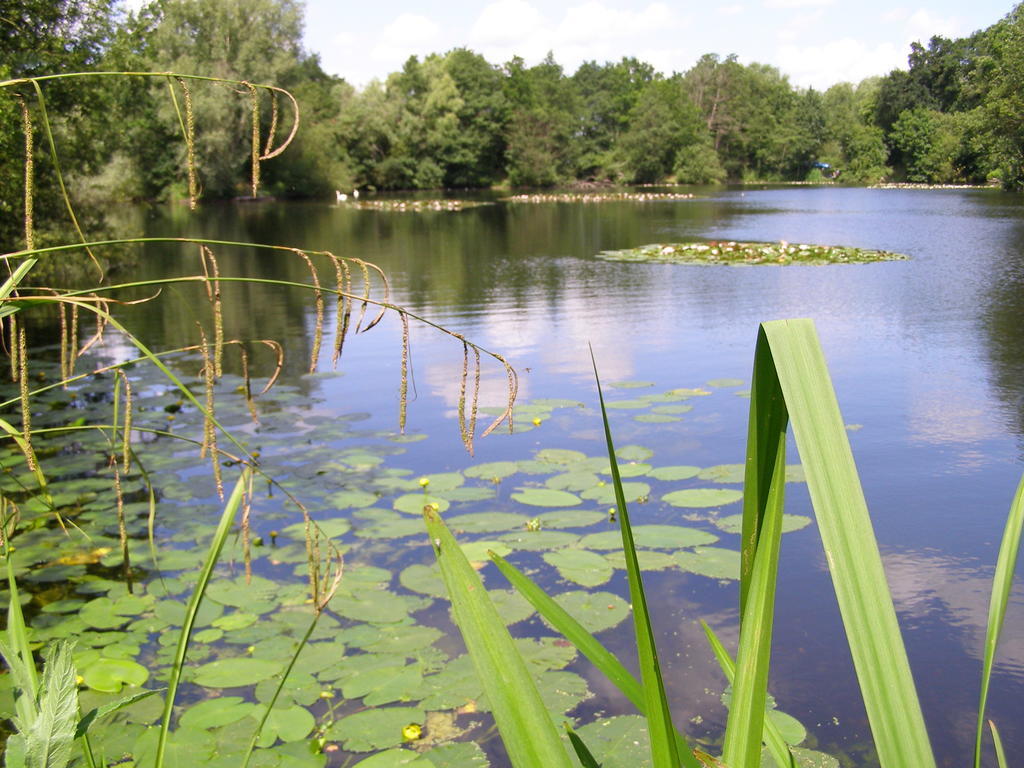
494, 470
413, 503
213, 713
581, 566
560, 456
572, 481
723, 473
633, 453
734, 523
670, 474
571, 518
651, 537
486, 522
108, 675
656, 418
371, 729
605, 494
713, 562
748, 253
597, 611
235, 672
476, 551
702, 497
546, 497
424, 579
724, 383
539, 540
649, 560
631, 384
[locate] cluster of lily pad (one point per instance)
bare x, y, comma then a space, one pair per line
739, 253
377, 681
597, 197
415, 206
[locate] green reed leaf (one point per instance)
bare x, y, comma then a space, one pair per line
665, 751
865, 603
998, 743
525, 724
1002, 583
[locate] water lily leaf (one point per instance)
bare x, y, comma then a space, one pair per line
376, 606
333, 527
469, 493
395, 758
511, 605
210, 635
631, 384
632, 469
795, 473
424, 579
596, 611
618, 741
413, 503
723, 473
233, 621
633, 453
108, 675
486, 522
572, 481
386, 524
656, 418
539, 540
546, 652
702, 497
560, 456
713, 562
104, 613
545, 497
626, 405
459, 754
235, 672
535, 467
571, 518
649, 560
444, 481
805, 758
287, 724
213, 713
582, 566
493, 470
350, 499
724, 383
734, 523
605, 494
673, 409
556, 402
791, 729
476, 551
670, 474
651, 537
561, 690
374, 728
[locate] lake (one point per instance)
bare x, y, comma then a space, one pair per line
927, 358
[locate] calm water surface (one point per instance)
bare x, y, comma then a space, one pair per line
927, 357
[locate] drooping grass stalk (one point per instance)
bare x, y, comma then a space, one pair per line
998, 744
664, 750
1002, 582
851, 551
526, 727
217, 544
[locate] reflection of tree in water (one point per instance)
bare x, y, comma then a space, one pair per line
1004, 318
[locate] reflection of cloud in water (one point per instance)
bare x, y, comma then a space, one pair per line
933, 587
950, 411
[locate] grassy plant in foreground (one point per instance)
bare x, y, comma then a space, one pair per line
790, 384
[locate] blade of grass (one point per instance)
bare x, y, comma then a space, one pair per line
586, 759
664, 751
777, 745
998, 743
1002, 583
526, 727
16, 277
577, 634
763, 498
227, 518
851, 551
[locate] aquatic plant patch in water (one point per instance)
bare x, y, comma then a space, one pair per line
599, 197
414, 206
732, 252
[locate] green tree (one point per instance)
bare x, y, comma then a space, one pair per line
662, 122
541, 119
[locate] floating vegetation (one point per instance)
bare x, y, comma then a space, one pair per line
917, 185
377, 683
732, 252
598, 197
415, 206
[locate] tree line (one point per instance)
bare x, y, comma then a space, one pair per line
455, 120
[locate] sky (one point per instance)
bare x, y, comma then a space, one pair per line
815, 42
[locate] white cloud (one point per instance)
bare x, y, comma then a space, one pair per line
407, 35
507, 23
731, 10
797, 3
845, 60
801, 27
921, 26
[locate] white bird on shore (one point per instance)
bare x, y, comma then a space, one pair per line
342, 197
355, 193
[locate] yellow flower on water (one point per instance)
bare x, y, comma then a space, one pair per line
536, 421
424, 482
412, 732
